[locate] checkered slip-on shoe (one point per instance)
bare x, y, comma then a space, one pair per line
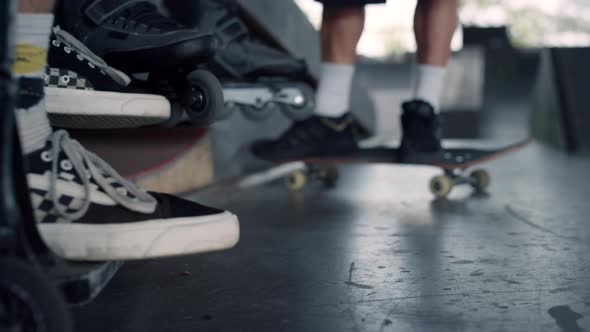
86, 211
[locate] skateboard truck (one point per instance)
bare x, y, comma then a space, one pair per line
441, 185
298, 179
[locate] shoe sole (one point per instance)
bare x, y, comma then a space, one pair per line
89, 109
142, 240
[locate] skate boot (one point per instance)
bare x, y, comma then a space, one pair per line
257, 79
421, 132
316, 136
161, 55
82, 91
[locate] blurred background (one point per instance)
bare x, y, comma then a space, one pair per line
518, 69
529, 23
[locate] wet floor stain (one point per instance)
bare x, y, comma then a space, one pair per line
385, 323
500, 305
357, 285
566, 318
476, 273
521, 217
511, 282
349, 282
561, 290
350, 271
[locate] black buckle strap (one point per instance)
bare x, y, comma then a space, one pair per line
101, 10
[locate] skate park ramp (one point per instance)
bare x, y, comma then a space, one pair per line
158, 159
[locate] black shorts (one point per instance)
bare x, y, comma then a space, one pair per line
349, 3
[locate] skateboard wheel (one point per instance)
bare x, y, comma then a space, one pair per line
296, 181
441, 185
330, 177
481, 179
28, 301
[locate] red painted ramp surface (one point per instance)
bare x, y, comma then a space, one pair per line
167, 160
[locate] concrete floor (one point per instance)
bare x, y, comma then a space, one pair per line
378, 254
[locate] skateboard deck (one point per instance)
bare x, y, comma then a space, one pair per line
453, 161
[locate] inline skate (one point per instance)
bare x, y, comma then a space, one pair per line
257, 79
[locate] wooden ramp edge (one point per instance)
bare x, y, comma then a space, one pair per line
172, 161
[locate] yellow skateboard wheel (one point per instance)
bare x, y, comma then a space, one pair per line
296, 181
441, 185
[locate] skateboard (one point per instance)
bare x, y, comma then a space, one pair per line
456, 164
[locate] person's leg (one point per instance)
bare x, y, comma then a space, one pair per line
36, 6
84, 209
341, 30
434, 24
332, 129
33, 27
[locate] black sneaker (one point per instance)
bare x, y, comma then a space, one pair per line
133, 35
314, 137
84, 92
421, 131
86, 211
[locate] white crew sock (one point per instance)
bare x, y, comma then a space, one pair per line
32, 41
428, 84
333, 95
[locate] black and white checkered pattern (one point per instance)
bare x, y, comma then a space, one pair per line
63, 78
43, 208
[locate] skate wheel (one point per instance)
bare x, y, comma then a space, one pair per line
481, 179
28, 301
304, 109
296, 181
330, 177
203, 98
441, 185
228, 110
258, 114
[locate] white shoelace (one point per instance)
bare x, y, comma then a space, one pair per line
95, 168
64, 37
